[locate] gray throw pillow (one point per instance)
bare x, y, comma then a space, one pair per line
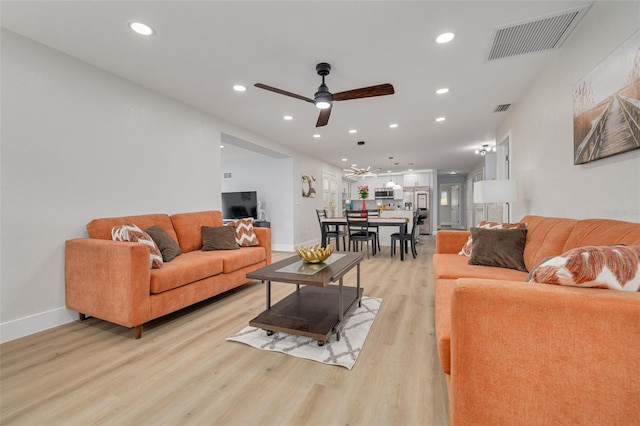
219, 238
167, 245
498, 247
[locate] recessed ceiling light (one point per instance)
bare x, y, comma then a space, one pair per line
353, 131
393, 125
142, 29
441, 119
344, 159
410, 170
354, 165
442, 91
221, 146
445, 38
316, 135
239, 88
388, 171
288, 117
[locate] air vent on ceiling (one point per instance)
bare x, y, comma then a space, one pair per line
537, 35
226, 175
502, 108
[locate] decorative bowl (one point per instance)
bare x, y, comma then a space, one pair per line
315, 254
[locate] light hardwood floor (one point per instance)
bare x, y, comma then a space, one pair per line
183, 371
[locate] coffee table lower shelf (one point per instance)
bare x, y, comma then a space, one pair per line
310, 311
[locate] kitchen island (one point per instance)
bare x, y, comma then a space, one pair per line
384, 232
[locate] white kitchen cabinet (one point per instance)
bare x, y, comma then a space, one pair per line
418, 179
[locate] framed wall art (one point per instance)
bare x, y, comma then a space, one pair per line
308, 191
606, 106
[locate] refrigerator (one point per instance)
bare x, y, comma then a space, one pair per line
417, 197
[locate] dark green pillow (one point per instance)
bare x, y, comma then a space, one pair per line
219, 238
167, 245
498, 247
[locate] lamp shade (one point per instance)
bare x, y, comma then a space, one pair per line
494, 191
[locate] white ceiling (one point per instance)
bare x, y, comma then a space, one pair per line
201, 49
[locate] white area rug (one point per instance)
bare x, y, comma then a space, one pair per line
344, 352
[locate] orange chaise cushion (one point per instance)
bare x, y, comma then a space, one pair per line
452, 266
185, 269
233, 260
188, 227
101, 228
444, 293
546, 236
600, 232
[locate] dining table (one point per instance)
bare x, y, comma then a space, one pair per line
399, 222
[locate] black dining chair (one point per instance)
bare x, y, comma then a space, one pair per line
406, 238
359, 230
327, 232
375, 228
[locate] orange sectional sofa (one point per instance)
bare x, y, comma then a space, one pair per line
113, 281
524, 353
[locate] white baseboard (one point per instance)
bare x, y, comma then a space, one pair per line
22, 327
282, 247
292, 248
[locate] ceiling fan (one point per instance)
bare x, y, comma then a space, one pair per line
323, 99
354, 171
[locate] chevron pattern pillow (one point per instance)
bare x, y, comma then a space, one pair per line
131, 233
245, 236
613, 267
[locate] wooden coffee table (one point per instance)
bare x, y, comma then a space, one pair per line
317, 309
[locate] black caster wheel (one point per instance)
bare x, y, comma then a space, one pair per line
269, 332
320, 342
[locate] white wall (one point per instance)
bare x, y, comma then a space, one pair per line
306, 219
272, 179
80, 143
542, 131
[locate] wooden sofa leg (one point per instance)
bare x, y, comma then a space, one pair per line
81, 316
138, 331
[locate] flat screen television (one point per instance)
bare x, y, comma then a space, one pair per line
238, 205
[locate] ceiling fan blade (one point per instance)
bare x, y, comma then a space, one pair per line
365, 92
282, 92
323, 118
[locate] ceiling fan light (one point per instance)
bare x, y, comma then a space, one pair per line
323, 97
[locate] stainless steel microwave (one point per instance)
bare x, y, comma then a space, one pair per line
383, 193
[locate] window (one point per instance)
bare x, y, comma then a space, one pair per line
444, 198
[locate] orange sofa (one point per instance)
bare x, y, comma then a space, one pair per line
519, 353
112, 280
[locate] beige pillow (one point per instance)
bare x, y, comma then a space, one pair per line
499, 247
218, 238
